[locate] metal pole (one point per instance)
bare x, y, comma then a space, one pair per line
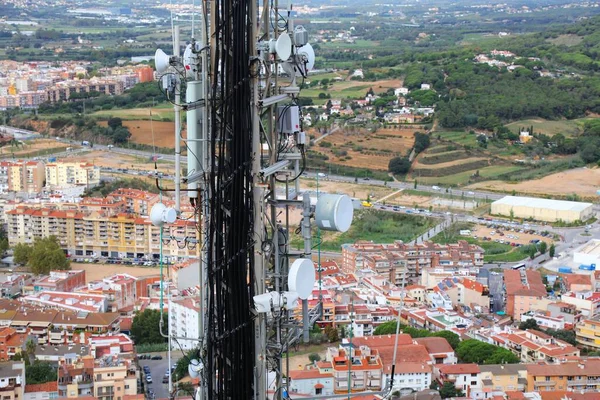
169, 349
306, 235
176, 108
260, 323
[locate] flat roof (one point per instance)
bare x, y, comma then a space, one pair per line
560, 205
591, 248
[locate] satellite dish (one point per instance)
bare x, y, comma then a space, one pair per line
160, 215
308, 55
334, 212
301, 278
283, 46
162, 61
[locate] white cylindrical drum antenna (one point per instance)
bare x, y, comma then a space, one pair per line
194, 129
334, 212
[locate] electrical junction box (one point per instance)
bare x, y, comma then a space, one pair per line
288, 119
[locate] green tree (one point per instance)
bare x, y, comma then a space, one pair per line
145, 327
21, 253
449, 390
475, 351
529, 324
452, 338
314, 357
40, 372
543, 247
532, 252
552, 250
512, 215
332, 333
46, 255
399, 165
115, 123
387, 328
30, 347
3, 246
415, 185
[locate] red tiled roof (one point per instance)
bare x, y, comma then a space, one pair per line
435, 345
41, 387
459, 368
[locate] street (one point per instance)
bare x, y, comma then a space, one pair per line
157, 370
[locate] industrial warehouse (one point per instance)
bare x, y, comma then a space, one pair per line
542, 209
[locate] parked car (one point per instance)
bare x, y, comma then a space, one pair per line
165, 379
157, 357
148, 378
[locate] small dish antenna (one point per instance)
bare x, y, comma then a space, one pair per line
161, 214
283, 46
162, 61
308, 55
301, 278
334, 212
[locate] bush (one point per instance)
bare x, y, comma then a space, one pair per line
399, 165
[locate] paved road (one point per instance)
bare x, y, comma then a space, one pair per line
157, 370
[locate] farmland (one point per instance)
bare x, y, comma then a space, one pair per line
152, 133
550, 128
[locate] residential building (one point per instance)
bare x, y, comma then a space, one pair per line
586, 302
363, 319
94, 233
114, 377
498, 379
76, 379
315, 380
581, 376
465, 377
12, 285
183, 319
12, 380
576, 283
60, 281
463, 291
41, 391
55, 353
543, 320
21, 176
568, 312
110, 344
524, 292
439, 350
79, 302
363, 364
67, 173
120, 291
587, 333
534, 346
398, 259
11, 343
436, 320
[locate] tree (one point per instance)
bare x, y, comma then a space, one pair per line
145, 327
387, 328
314, 357
399, 165
529, 324
532, 252
452, 338
475, 351
415, 185
332, 333
21, 253
115, 123
46, 255
543, 247
552, 250
30, 347
40, 372
512, 215
449, 390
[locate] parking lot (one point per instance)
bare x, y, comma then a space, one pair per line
157, 371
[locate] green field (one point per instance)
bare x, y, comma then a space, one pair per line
463, 178
463, 138
161, 112
550, 128
378, 226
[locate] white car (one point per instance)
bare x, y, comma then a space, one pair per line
435, 187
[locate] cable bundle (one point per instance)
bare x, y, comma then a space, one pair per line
229, 372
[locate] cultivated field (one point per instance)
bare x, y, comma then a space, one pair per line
581, 181
31, 147
160, 113
110, 159
550, 128
155, 133
366, 150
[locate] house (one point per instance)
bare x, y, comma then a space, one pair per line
587, 333
498, 379
364, 365
464, 376
402, 91
315, 379
525, 291
534, 346
579, 375
524, 136
41, 391
425, 86
439, 349
358, 73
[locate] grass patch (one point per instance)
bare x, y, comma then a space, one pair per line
443, 157
550, 128
35, 153
468, 165
463, 138
377, 226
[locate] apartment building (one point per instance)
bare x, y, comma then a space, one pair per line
114, 378
568, 312
363, 319
64, 90
183, 319
534, 346
362, 364
543, 320
524, 292
12, 380
581, 376
464, 291
399, 259
120, 291
78, 302
498, 379
68, 173
60, 281
587, 333
315, 379
586, 302
22, 176
135, 201
11, 343
464, 376
76, 378
94, 233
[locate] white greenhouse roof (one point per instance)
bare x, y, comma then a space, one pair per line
535, 202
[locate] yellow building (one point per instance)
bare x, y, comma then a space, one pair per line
498, 379
65, 173
98, 234
22, 176
114, 379
577, 376
587, 333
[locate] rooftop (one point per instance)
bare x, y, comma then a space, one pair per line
559, 205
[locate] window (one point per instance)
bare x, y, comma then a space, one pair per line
473, 383
318, 391
126, 387
547, 379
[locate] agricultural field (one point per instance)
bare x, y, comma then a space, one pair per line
366, 150
550, 128
33, 148
163, 112
581, 181
347, 89
151, 133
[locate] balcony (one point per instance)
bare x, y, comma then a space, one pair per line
544, 383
